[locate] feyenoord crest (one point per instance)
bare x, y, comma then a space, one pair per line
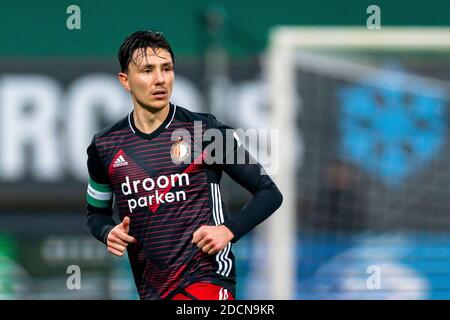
180, 150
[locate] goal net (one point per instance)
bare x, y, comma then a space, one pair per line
364, 163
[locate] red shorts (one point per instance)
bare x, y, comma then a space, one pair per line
204, 291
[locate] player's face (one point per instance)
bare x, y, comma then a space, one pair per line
150, 78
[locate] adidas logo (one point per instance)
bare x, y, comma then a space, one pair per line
120, 161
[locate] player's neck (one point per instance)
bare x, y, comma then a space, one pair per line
148, 120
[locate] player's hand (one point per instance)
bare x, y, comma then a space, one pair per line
118, 238
212, 239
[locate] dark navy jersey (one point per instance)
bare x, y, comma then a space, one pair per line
167, 182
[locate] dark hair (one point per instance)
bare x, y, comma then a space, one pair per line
142, 39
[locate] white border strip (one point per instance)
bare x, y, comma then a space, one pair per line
129, 122
173, 115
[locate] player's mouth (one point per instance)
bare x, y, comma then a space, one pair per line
159, 94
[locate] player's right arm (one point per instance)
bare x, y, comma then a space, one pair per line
99, 201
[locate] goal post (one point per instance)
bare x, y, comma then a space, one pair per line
286, 44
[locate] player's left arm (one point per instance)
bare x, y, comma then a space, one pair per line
266, 199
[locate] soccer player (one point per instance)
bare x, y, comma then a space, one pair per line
164, 177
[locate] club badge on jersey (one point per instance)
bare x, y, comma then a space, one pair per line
180, 151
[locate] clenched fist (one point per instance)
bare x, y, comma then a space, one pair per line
212, 239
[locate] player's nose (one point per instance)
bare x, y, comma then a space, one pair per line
159, 77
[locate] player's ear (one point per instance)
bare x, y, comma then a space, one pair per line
123, 78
